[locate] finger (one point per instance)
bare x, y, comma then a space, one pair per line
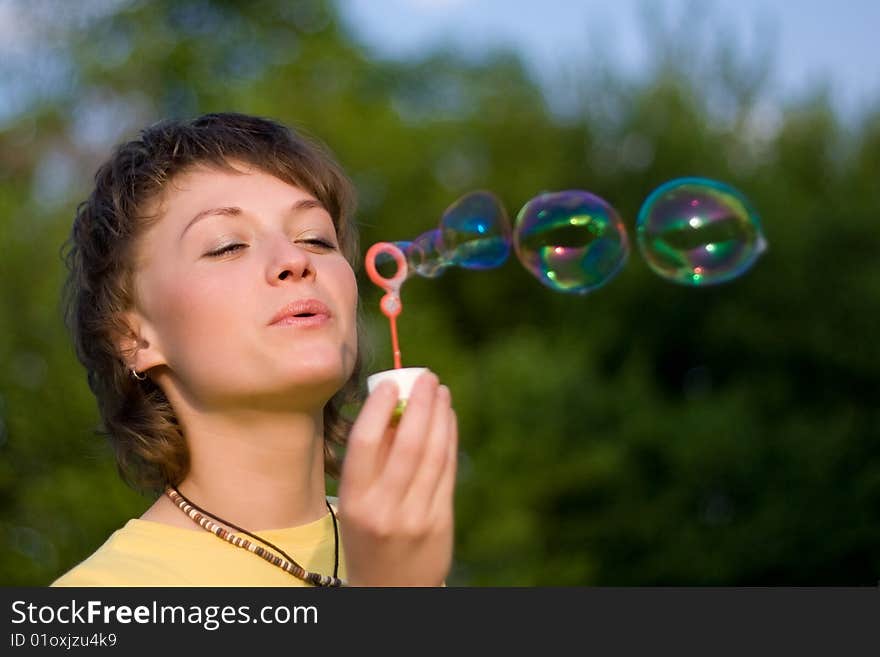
364, 446
431, 467
409, 441
443, 495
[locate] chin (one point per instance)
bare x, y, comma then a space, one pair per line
323, 366
316, 373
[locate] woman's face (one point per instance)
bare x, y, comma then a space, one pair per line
228, 252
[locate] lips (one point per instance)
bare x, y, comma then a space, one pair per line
302, 311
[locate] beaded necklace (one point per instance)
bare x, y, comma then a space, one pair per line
198, 515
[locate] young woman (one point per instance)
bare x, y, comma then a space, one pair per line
212, 299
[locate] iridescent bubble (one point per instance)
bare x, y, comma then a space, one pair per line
697, 231
476, 232
425, 256
571, 241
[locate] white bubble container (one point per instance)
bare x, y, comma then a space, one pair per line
404, 377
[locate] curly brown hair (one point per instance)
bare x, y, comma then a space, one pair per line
136, 416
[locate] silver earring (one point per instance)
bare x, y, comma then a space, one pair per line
139, 378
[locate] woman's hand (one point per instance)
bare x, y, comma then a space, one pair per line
396, 488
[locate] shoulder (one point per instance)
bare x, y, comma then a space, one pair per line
104, 567
129, 557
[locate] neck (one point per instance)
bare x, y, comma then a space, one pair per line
258, 470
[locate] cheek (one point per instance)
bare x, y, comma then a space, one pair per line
352, 289
196, 308
351, 336
348, 298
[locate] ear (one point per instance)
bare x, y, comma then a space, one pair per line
139, 344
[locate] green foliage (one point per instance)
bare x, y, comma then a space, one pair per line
645, 434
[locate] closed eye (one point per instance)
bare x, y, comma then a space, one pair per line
229, 248
324, 244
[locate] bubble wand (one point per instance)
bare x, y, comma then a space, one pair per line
390, 304
391, 307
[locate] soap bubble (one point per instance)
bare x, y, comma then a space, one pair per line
422, 257
425, 256
697, 231
476, 232
571, 241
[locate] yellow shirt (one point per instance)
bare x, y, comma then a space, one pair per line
147, 553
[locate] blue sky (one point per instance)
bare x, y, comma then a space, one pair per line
811, 41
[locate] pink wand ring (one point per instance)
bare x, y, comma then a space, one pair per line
390, 304
387, 284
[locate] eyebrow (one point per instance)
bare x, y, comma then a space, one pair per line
234, 211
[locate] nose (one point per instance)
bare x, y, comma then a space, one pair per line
291, 262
